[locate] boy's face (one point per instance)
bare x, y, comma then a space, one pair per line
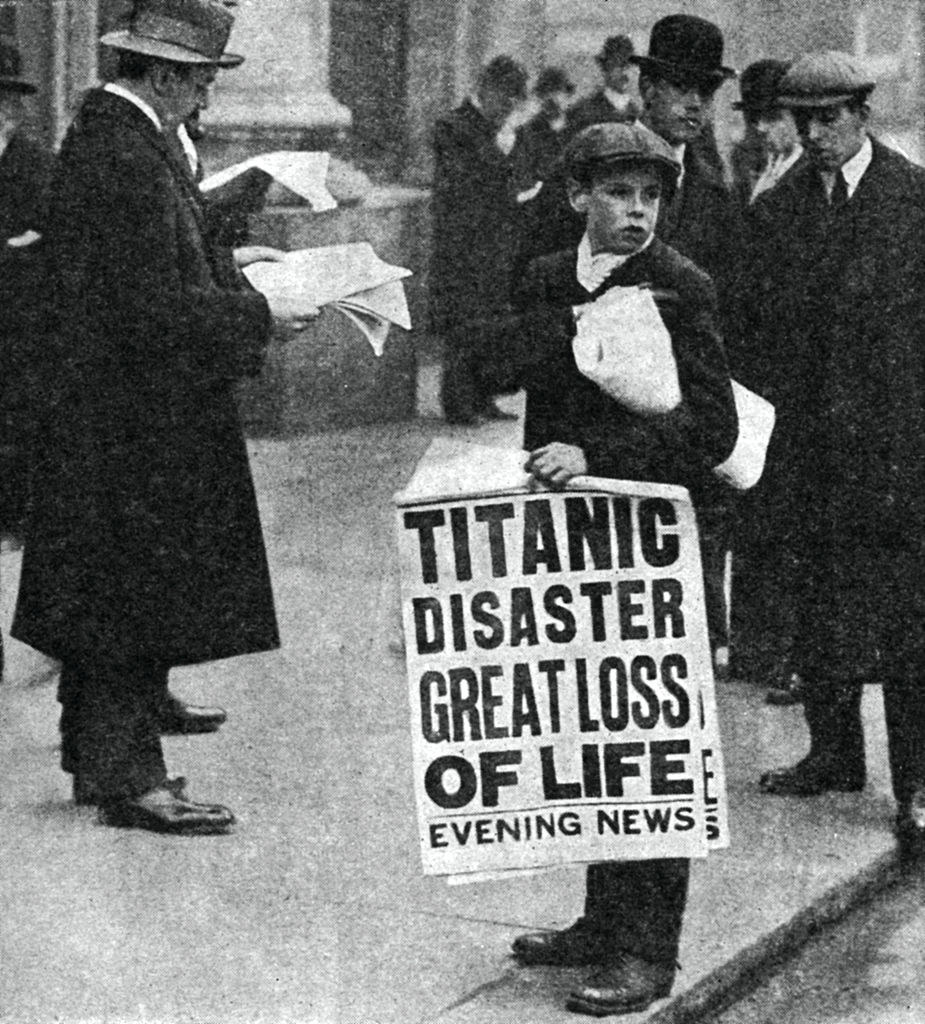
620, 208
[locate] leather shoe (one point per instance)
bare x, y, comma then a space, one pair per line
910, 824
178, 719
162, 810
630, 984
575, 946
810, 777
86, 794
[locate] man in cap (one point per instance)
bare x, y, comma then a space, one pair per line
25, 171
834, 315
613, 101
474, 217
773, 127
618, 175
144, 548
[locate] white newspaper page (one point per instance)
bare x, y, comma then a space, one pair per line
301, 172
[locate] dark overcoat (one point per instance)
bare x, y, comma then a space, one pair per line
831, 327
474, 210
144, 540
680, 447
25, 173
701, 221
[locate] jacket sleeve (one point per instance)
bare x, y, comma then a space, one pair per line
121, 251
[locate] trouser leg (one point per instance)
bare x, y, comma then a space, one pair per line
713, 525
460, 391
833, 715
109, 719
638, 906
904, 708
70, 697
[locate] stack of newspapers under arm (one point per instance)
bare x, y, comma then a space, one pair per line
351, 278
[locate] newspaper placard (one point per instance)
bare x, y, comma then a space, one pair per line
557, 653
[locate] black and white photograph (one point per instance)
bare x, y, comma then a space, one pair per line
462, 511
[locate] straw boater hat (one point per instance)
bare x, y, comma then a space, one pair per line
687, 47
11, 72
184, 31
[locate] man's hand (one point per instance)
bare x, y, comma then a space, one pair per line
556, 463
248, 254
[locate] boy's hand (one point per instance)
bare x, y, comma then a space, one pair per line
556, 463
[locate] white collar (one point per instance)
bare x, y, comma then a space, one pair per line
189, 147
127, 94
852, 170
618, 100
592, 271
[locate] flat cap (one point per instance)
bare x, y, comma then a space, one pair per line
614, 143
824, 79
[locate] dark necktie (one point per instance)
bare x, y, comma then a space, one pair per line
839, 198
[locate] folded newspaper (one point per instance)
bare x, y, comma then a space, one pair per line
624, 347
300, 172
351, 278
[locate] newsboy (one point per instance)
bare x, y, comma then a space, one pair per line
619, 175
144, 549
835, 316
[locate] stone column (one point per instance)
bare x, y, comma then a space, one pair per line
279, 96
58, 40
447, 44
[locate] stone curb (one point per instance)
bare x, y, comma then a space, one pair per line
751, 966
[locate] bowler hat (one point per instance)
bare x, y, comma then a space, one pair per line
824, 79
616, 50
552, 80
686, 47
612, 143
11, 72
759, 85
183, 31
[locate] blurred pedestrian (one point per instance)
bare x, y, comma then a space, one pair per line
536, 156
143, 548
619, 174
762, 603
540, 140
616, 99
832, 337
25, 172
771, 124
474, 236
